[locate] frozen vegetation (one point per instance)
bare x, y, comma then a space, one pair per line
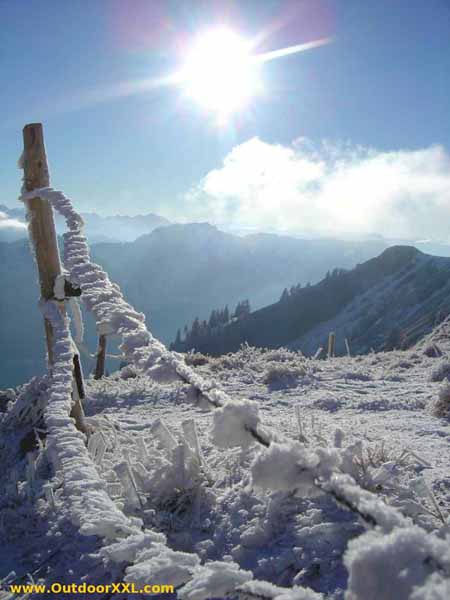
261, 474
181, 488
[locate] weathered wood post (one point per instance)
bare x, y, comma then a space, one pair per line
318, 352
101, 354
331, 343
347, 345
42, 227
43, 234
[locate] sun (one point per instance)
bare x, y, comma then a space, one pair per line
220, 72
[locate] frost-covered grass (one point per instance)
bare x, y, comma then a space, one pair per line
432, 350
197, 479
441, 407
170, 463
196, 359
440, 371
256, 358
283, 375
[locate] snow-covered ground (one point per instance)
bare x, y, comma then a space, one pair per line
299, 479
206, 500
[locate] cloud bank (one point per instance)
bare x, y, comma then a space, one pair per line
330, 189
6, 222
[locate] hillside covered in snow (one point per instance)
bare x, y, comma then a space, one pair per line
172, 467
390, 301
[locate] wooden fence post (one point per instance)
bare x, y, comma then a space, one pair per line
347, 345
318, 352
101, 353
43, 234
331, 344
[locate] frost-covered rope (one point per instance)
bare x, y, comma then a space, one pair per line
144, 552
113, 315
90, 504
394, 559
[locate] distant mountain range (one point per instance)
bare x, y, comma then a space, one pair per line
387, 302
173, 274
98, 228
182, 271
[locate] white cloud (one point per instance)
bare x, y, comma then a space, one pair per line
329, 189
6, 222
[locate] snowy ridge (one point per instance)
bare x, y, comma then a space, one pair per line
365, 320
393, 539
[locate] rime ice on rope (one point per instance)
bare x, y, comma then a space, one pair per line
401, 564
232, 423
113, 315
286, 467
126, 550
160, 565
91, 508
291, 465
391, 561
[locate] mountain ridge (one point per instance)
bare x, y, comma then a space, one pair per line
172, 275
98, 227
388, 301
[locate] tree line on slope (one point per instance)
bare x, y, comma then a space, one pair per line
410, 298
201, 329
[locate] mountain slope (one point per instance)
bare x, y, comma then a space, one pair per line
182, 271
172, 275
389, 301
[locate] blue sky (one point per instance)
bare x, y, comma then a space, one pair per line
382, 85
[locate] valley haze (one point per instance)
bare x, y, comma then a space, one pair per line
173, 273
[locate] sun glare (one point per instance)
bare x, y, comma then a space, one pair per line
220, 72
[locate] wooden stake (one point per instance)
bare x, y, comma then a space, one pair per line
43, 234
331, 343
347, 345
101, 353
318, 352
78, 376
36, 175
